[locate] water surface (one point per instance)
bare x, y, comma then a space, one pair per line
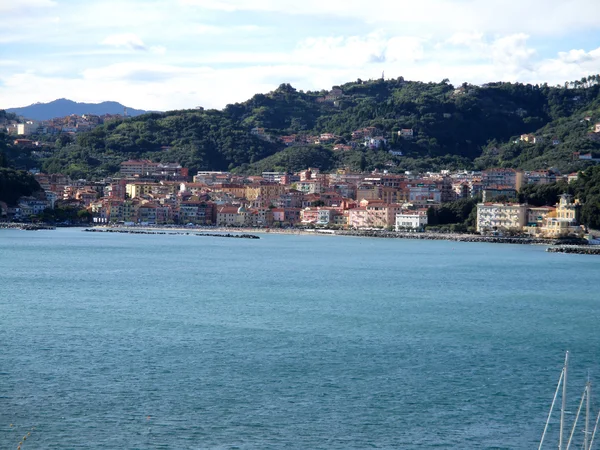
135, 341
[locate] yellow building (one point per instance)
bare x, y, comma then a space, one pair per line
563, 221
138, 189
264, 191
235, 190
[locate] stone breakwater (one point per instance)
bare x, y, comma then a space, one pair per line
577, 249
458, 237
181, 233
26, 226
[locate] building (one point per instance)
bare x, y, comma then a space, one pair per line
540, 177
536, 218
375, 142
492, 217
265, 191
411, 220
492, 192
511, 178
423, 194
310, 186
274, 177
529, 138
564, 220
230, 216
27, 128
134, 190
322, 216
138, 168
406, 133
373, 214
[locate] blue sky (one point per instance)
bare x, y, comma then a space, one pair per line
171, 54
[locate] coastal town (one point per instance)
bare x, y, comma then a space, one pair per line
150, 193
146, 192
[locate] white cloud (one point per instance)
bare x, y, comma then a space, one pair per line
116, 49
127, 40
504, 16
465, 38
169, 86
20, 6
511, 52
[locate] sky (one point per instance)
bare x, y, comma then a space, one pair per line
176, 54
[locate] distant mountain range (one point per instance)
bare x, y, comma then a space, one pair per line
63, 107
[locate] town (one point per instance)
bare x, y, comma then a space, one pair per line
150, 193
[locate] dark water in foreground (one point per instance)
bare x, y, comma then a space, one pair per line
129, 341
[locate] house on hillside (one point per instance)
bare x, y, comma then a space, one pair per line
530, 138
406, 133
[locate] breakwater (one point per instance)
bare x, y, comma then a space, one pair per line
457, 237
577, 249
26, 226
181, 233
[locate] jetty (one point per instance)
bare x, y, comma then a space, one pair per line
576, 249
171, 233
458, 237
26, 226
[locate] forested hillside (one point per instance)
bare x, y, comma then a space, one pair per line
14, 183
465, 127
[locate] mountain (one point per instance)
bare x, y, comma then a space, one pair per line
428, 126
63, 107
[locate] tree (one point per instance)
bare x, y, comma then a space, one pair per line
84, 215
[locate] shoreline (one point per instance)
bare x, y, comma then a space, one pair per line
569, 245
454, 237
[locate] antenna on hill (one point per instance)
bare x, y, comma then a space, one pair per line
382, 75
124, 111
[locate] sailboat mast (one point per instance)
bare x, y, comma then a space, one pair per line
594, 432
588, 392
562, 372
564, 403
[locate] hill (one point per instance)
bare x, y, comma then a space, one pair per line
63, 107
428, 126
14, 183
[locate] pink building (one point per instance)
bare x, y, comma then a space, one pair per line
373, 214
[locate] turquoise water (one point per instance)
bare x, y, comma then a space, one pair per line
304, 342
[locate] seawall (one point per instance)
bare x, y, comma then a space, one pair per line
577, 249
457, 237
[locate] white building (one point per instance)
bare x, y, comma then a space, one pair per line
501, 217
27, 128
411, 221
274, 177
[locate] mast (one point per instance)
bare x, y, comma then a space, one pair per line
583, 397
594, 432
562, 373
564, 402
588, 391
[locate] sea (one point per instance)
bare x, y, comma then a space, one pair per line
120, 341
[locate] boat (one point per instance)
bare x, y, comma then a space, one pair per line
588, 436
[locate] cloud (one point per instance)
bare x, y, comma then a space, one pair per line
578, 56
315, 64
127, 40
20, 6
504, 16
512, 53
208, 29
222, 51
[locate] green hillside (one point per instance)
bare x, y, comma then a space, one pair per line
465, 127
13, 183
